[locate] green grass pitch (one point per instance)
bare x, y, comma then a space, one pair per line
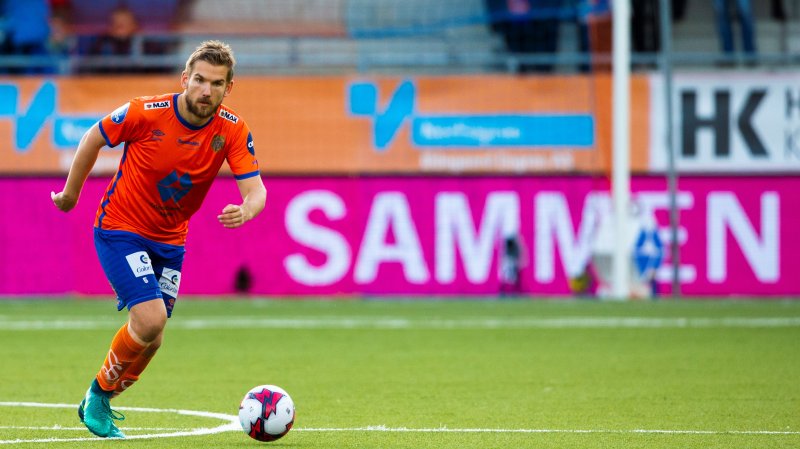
420, 373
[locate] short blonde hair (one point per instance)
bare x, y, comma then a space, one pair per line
215, 53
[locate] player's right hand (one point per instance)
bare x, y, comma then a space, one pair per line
63, 202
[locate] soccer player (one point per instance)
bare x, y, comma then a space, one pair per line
174, 146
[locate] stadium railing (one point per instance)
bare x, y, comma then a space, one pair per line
390, 35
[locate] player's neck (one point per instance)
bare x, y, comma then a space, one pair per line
187, 115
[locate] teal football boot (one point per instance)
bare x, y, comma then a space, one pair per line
95, 413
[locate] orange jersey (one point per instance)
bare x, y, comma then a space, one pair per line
168, 165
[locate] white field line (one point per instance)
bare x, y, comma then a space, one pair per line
606, 431
572, 322
57, 427
233, 425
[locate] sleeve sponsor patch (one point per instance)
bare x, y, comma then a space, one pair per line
140, 263
228, 116
157, 105
250, 147
118, 116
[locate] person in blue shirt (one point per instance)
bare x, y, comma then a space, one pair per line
26, 32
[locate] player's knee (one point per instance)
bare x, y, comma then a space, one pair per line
155, 344
148, 321
148, 331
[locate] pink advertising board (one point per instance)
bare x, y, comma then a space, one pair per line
420, 235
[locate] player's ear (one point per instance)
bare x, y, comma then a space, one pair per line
184, 80
228, 88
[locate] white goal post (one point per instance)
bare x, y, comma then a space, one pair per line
621, 173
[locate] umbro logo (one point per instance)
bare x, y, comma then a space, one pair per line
157, 134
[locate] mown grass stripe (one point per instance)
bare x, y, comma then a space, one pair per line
567, 322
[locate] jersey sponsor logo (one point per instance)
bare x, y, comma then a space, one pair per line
228, 116
170, 282
217, 142
250, 146
140, 263
174, 187
118, 116
156, 105
191, 143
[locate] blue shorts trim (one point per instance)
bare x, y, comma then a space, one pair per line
139, 269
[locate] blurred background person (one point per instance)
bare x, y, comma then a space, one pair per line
512, 261
120, 34
645, 28
60, 41
26, 32
527, 27
725, 11
123, 38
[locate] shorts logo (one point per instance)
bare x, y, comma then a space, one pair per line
118, 116
140, 263
156, 105
170, 282
228, 116
217, 142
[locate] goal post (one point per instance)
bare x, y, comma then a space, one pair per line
621, 174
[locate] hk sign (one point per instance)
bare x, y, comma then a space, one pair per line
737, 123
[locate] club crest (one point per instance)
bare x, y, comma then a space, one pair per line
217, 142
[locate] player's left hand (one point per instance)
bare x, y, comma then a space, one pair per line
62, 201
233, 216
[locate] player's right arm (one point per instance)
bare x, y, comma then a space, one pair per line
85, 158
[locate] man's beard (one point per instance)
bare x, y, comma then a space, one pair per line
194, 109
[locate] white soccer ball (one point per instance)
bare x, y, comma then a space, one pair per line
266, 413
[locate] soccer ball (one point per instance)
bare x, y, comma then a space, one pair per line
266, 413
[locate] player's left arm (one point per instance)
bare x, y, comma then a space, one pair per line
254, 197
